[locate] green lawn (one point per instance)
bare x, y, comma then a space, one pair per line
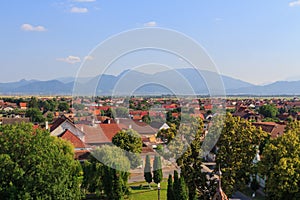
145, 193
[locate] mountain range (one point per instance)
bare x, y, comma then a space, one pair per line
179, 82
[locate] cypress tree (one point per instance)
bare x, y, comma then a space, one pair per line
147, 170
176, 185
118, 193
170, 191
183, 193
157, 170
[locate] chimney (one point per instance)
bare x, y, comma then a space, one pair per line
118, 121
81, 128
130, 126
47, 125
108, 121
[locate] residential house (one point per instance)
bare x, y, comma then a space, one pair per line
274, 129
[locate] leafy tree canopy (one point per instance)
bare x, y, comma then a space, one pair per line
35, 165
281, 164
237, 147
130, 141
269, 110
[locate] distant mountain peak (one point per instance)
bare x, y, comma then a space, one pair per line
109, 82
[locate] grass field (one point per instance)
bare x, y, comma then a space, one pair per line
145, 193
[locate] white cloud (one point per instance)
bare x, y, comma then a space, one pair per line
78, 10
70, 59
150, 24
218, 19
29, 27
294, 3
88, 58
83, 1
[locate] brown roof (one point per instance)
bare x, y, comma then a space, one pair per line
58, 122
69, 136
272, 128
14, 120
93, 134
140, 127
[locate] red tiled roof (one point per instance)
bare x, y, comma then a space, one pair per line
137, 117
69, 136
172, 106
110, 130
23, 104
200, 115
104, 108
208, 107
97, 112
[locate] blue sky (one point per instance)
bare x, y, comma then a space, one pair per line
256, 41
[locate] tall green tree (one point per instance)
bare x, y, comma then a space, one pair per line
191, 160
118, 192
147, 170
33, 103
35, 115
237, 148
50, 117
107, 173
281, 165
63, 106
130, 141
176, 184
146, 119
183, 192
121, 112
269, 111
35, 165
157, 170
170, 191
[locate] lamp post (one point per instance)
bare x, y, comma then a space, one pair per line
158, 191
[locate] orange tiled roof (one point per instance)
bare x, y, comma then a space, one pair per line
69, 136
110, 130
23, 105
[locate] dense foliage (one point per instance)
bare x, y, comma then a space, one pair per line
170, 190
147, 170
269, 111
157, 170
130, 141
281, 165
35, 165
237, 147
106, 173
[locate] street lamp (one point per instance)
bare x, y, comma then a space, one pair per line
158, 191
